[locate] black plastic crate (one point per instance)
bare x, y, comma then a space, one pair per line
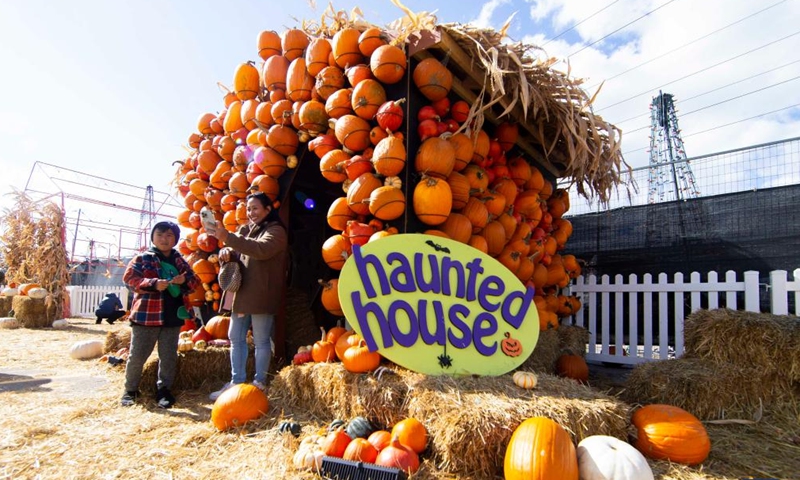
340, 469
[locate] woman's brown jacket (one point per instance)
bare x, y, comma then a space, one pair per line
262, 251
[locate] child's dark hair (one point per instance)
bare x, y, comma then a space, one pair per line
265, 201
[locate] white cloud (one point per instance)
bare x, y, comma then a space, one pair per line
487, 10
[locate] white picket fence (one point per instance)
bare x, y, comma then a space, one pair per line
663, 306
84, 300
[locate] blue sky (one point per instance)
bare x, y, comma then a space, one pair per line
114, 88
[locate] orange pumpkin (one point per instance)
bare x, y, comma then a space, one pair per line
572, 366
666, 432
218, 326
367, 98
283, 139
335, 251
238, 405
332, 164
389, 156
330, 297
204, 270
352, 132
317, 55
328, 81
360, 190
294, 42
433, 79
322, 351
345, 47
411, 433
245, 81
339, 213
313, 117
369, 40
435, 158
298, 82
274, 72
269, 44
387, 203
463, 149
432, 200
457, 227
460, 187
540, 449
339, 103
268, 185
388, 64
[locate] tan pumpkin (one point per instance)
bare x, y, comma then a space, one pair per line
523, 379
432, 200
388, 64
432, 79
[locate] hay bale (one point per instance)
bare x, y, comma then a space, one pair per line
5, 305
195, 368
544, 356
709, 390
327, 390
770, 343
573, 338
116, 339
470, 420
31, 312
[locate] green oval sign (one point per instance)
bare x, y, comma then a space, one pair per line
438, 306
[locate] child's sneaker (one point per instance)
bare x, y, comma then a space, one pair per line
164, 398
129, 399
260, 386
215, 395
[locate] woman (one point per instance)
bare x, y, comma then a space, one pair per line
261, 247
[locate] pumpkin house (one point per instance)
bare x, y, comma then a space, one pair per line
361, 132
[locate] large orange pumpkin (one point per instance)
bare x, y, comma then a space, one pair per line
352, 132
330, 298
367, 98
298, 82
283, 139
387, 203
388, 64
204, 270
573, 366
666, 432
411, 433
360, 190
339, 103
218, 326
273, 73
540, 449
335, 251
369, 40
294, 42
435, 158
389, 156
269, 44
317, 55
345, 47
238, 405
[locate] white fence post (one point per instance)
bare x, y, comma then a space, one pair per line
779, 292
84, 300
752, 302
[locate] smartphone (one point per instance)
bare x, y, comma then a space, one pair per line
208, 220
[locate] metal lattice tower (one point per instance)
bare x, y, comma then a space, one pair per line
147, 217
669, 169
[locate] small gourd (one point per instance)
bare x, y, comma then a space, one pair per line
200, 345
86, 349
526, 380
308, 458
185, 345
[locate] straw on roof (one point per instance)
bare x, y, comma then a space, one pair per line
770, 343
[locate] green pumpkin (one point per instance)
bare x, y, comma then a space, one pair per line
337, 424
290, 427
359, 427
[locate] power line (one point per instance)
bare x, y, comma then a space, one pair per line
687, 44
724, 101
715, 89
579, 23
700, 71
725, 125
620, 28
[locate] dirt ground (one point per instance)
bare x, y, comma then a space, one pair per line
60, 418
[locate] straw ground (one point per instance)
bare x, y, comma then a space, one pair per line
60, 418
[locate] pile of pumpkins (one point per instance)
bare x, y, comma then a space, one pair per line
213, 334
343, 345
32, 290
329, 92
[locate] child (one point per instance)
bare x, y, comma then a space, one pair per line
110, 309
161, 280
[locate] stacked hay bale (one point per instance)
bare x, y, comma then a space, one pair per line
31, 312
735, 362
5, 304
469, 419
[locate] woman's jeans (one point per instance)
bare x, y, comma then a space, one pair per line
262, 333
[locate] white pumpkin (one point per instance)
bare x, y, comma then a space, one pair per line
9, 322
37, 292
10, 292
601, 457
86, 349
523, 379
308, 458
60, 323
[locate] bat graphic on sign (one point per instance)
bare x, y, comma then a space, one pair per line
437, 247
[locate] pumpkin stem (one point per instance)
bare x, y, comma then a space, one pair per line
323, 334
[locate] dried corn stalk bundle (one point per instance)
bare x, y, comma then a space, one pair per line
34, 251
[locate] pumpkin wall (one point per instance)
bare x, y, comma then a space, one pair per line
390, 135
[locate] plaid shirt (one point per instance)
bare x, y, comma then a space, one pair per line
142, 274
